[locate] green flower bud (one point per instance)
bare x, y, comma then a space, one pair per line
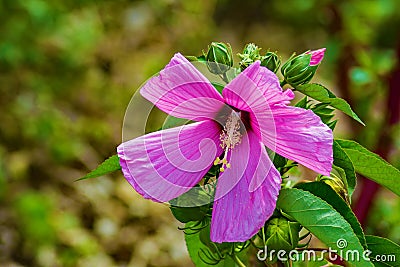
251, 53
297, 70
219, 58
271, 61
300, 69
282, 234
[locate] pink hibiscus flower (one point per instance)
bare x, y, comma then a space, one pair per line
232, 131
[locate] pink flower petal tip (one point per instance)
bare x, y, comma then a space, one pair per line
316, 56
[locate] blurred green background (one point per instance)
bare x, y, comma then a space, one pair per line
69, 68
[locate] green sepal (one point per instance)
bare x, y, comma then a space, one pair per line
108, 166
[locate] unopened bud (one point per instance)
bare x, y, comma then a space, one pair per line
219, 58
337, 185
271, 61
250, 54
300, 69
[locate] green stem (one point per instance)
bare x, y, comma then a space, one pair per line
263, 235
237, 260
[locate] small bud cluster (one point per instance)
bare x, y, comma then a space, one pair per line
251, 53
298, 70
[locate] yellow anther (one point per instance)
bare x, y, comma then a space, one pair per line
221, 169
228, 165
224, 161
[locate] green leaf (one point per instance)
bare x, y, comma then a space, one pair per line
321, 219
108, 166
316, 263
171, 122
279, 161
218, 86
322, 94
342, 160
191, 206
195, 247
323, 111
201, 58
195, 243
380, 246
371, 165
188, 214
303, 103
325, 192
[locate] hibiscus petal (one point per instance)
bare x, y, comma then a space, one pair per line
300, 136
255, 86
165, 164
182, 91
250, 92
316, 56
246, 193
292, 132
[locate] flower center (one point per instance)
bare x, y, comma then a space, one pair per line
229, 138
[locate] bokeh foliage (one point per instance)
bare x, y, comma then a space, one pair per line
69, 68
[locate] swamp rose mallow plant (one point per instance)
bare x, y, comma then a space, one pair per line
218, 172
230, 130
